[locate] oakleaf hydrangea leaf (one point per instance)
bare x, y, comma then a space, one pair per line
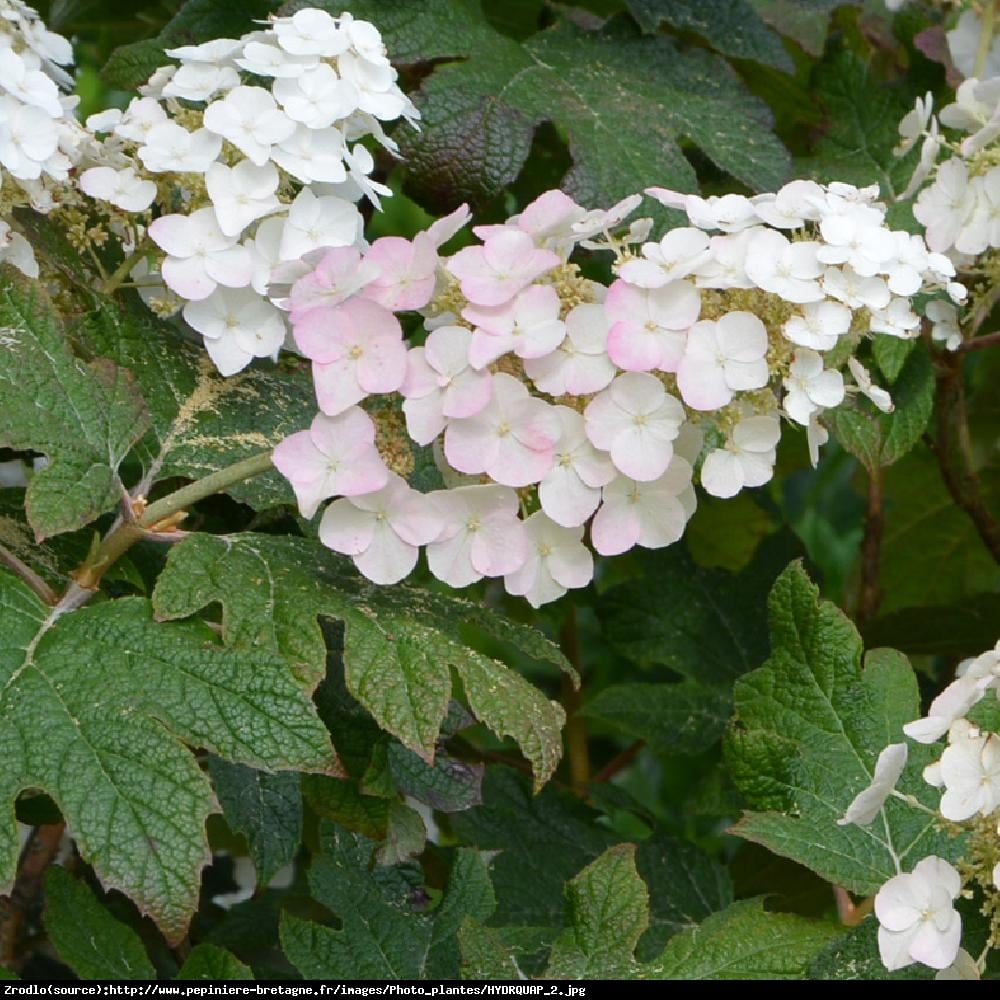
808, 728
623, 102
95, 708
197, 21
201, 422
265, 808
608, 910
207, 961
731, 27
707, 624
743, 941
83, 418
545, 840
383, 934
400, 643
93, 943
878, 439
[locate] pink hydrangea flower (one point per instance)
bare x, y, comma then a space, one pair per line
651, 514
338, 276
557, 561
528, 325
440, 385
512, 439
580, 365
720, 357
481, 534
635, 421
495, 272
407, 272
382, 531
356, 348
336, 455
649, 326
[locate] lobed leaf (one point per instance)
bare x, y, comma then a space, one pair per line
83, 418
400, 644
95, 708
808, 727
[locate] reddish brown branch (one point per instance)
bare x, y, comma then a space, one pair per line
39, 852
870, 595
953, 447
616, 763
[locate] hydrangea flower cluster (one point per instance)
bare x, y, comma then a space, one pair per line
915, 909
558, 408
252, 151
39, 136
957, 181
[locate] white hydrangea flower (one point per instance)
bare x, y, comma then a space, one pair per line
809, 387
917, 918
867, 804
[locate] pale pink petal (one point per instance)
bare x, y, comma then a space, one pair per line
346, 529
388, 559
337, 386
616, 527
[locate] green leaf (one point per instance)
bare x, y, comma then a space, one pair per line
95, 707
346, 805
86, 937
879, 439
623, 102
863, 115
382, 934
448, 784
201, 422
84, 418
672, 718
891, 354
855, 956
52, 560
400, 644
805, 21
543, 840
744, 941
405, 835
731, 27
685, 886
197, 21
265, 808
207, 961
705, 624
727, 533
931, 552
955, 631
808, 728
607, 910
485, 953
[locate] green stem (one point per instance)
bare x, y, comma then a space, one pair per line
122, 537
985, 39
120, 273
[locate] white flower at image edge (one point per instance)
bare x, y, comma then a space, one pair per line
917, 918
867, 804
